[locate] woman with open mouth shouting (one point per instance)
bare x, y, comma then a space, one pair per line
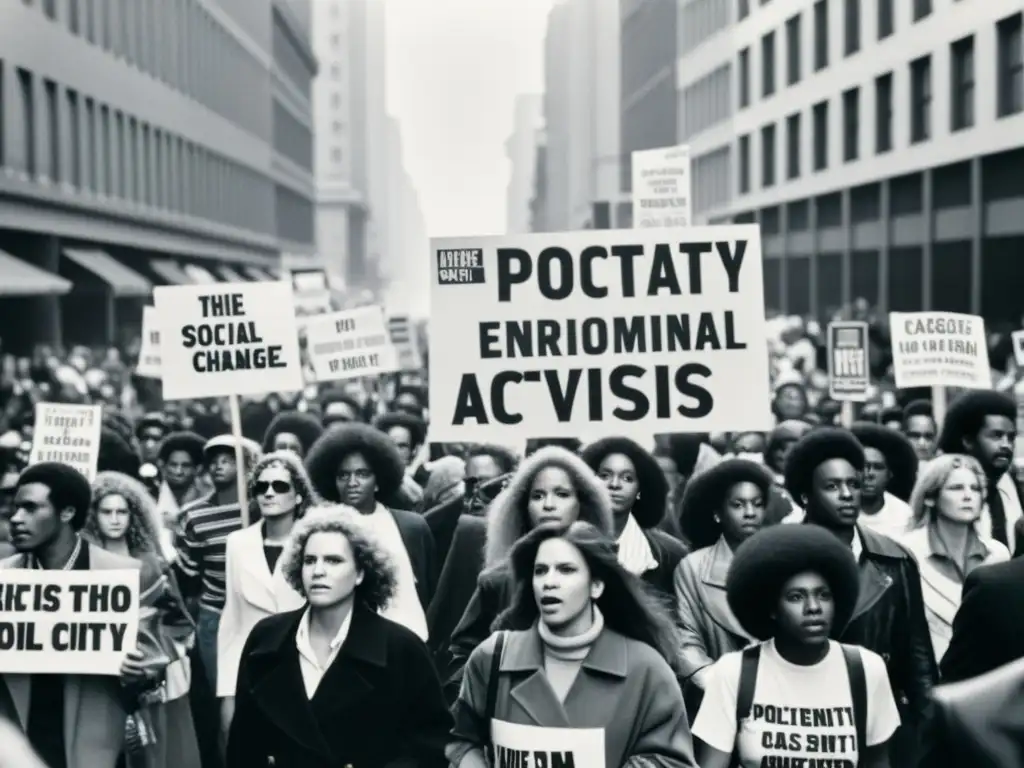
797, 696
581, 665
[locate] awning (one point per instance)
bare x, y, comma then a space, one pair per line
258, 274
231, 276
123, 281
199, 275
170, 272
22, 279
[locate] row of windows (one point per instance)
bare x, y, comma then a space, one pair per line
292, 138
700, 20
711, 179
794, 71
1010, 100
707, 102
289, 57
178, 43
57, 133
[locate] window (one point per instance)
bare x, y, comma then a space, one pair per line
883, 113
793, 145
793, 50
851, 125
852, 29
74, 137
53, 128
744, 164
50, 9
89, 144
920, 99
74, 24
105, 154
28, 112
962, 84
820, 35
886, 19
922, 8
1010, 86
744, 78
820, 116
768, 156
743, 9
768, 65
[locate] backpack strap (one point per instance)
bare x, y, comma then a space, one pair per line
748, 681
859, 695
492, 694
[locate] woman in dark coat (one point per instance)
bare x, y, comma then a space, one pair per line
334, 684
637, 488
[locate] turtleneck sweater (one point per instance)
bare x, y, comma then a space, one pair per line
564, 655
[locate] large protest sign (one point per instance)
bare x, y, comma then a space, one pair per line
848, 374
939, 349
344, 345
68, 434
67, 622
606, 331
662, 187
149, 349
529, 746
228, 339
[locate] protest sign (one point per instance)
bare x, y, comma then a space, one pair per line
68, 434
848, 374
661, 187
344, 345
149, 350
403, 337
609, 331
67, 622
529, 746
312, 294
227, 339
939, 349
1018, 347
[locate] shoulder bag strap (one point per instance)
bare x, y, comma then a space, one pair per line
492, 694
748, 681
859, 695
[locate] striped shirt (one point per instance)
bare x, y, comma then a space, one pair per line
201, 559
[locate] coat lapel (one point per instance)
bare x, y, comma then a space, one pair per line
363, 656
713, 592
257, 580
874, 581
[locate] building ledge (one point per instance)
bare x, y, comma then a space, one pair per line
294, 30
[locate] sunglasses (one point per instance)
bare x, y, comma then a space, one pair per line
278, 486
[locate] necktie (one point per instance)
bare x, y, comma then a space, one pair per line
997, 514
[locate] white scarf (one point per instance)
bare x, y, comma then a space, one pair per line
635, 553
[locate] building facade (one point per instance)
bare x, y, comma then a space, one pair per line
521, 150
879, 145
581, 110
143, 143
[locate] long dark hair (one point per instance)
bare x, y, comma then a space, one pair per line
626, 603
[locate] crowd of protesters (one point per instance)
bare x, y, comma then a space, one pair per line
788, 598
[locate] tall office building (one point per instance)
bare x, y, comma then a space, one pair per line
521, 150
582, 165
877, 143
143, 143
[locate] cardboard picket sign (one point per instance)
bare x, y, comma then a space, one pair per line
348, 344
939, 349
68, 434
849, 376
149, 350
662, 187
609, 331
67, 622
228, 339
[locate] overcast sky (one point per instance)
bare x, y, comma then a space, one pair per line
454, 70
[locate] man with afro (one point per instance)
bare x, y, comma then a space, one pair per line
824, 472
982, 424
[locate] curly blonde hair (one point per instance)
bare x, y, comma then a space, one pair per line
380, 579
300, 479
144, 525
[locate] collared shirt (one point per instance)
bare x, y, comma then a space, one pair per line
312, 671
949, 564
1007, 488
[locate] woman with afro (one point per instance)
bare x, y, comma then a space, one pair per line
796, 697
638, 490
357, 465
721, 509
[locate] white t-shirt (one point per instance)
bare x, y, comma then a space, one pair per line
801, 717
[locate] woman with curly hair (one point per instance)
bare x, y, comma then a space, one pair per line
721, 509
946, 503
254, 586
583, 645
123, 519
553, 487
796, 697
638, 490
292, 431
333, 682
357, 465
